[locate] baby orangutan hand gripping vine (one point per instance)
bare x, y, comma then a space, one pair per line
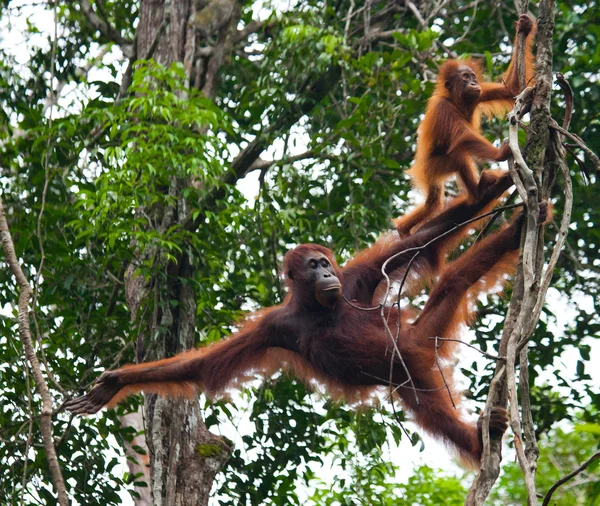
316, 334
450, 140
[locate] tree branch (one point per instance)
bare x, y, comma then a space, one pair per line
105, 28
528, 296
315, 92
250, 28
261, 164
577, 140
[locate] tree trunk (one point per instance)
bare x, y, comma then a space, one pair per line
184, 456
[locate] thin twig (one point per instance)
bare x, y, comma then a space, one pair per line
568, 92
52, 99
580, 163
484, 231
468, 28
105, 28
485, 354
374, 308
566, 478
405, 276
439, 366
401, 385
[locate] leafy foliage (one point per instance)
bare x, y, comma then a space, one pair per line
560, 453
376, 485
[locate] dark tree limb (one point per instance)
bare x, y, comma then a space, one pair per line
250, 28
566, 478
313, 93
262, 165
580, 144
568, 92
242, 164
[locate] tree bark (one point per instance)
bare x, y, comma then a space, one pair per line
184, 456
136, 462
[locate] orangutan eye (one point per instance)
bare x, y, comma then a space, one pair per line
313, 263
324, 263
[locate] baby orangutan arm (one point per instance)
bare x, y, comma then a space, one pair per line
509, 88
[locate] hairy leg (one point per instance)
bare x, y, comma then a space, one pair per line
432, 205
438, 235
470, 178
491, 187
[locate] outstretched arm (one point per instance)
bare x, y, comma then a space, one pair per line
210, 369
505, 92
492, 186
482, 265
363, 273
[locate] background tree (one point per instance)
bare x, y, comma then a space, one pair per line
130, 133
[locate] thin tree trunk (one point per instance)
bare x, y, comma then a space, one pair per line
138, 463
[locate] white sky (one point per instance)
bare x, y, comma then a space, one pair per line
14, 38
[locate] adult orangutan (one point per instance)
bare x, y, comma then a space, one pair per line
322, 330
449, 137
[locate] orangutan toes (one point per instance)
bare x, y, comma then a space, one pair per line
543, 216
